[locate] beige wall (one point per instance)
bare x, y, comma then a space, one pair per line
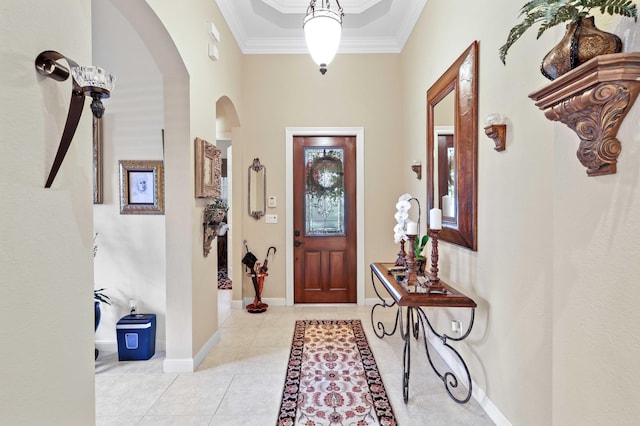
549, 346
283, 91
509, 349
596, 344
46, 307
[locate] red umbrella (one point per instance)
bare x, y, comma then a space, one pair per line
263, 268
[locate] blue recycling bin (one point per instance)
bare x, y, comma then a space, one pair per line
136, 337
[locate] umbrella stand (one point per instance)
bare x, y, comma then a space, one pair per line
258, 283
257, 276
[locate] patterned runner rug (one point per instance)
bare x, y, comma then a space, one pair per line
332, 378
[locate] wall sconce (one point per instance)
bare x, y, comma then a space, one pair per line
417, 169
496, 129
86, 81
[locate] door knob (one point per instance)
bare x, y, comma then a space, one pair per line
298, 243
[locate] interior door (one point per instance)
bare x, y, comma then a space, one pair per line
324, 221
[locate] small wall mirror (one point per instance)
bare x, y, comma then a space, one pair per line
257, 189
452, 149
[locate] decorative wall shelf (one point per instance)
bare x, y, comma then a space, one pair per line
593, 100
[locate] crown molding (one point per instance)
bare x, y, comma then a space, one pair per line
294, 6
353, 41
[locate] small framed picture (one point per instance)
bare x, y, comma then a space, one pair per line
208, 159
141, 187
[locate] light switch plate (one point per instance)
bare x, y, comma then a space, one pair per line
271, 218
272, 201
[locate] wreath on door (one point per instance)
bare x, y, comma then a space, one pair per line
325, 176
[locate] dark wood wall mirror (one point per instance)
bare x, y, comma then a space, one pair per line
452, 149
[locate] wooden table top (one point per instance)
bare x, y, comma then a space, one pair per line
415, 295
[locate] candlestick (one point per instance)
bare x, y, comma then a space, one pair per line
435, 219
412, 277
402, 255
434, 282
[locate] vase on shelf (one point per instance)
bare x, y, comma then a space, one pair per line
581, 42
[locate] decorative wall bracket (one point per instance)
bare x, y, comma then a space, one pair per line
212, 222
416, 167
210, 231
498, 133
593, 100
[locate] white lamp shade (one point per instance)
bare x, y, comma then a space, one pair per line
322, 31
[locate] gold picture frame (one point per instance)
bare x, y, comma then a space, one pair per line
208, 167
141, 187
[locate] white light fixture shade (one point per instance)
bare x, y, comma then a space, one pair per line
322, 31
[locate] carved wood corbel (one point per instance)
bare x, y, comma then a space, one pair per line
498, 133
593, 100
210, 233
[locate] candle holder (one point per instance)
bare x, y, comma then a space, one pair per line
434, 282
412, 276
402, 255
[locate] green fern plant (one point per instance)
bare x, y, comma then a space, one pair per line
549, 13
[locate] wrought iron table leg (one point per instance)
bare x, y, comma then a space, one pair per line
378, 327
449, 378
406, 332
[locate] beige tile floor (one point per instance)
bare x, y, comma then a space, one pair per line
240, 381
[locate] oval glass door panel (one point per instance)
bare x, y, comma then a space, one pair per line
324, 191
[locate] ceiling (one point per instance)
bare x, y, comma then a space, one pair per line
275, 26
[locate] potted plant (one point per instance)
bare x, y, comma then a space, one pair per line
99, 297
215, 211
570, 52
418, 247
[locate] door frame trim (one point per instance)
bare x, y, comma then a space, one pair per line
358, 132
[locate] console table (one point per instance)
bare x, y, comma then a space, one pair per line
413, 298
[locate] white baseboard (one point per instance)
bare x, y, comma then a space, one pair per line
178, 365
269, 301
170, 365
478, 393
189, 365
241, 304
206, 348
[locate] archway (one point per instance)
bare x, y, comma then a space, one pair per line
227, 120
179, 203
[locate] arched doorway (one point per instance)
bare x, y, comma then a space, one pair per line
226, 121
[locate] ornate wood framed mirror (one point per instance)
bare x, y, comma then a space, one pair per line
452, 149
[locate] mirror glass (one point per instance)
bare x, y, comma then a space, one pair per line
452, 153
257, 189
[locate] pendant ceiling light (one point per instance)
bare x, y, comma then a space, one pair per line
322, 29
